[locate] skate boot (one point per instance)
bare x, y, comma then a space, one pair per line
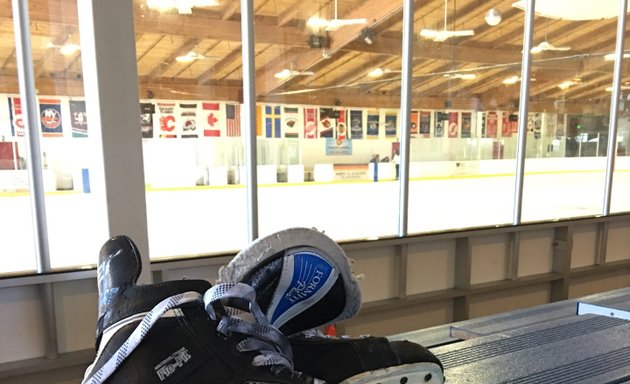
302, 279
365, 360
283, 268
181, 331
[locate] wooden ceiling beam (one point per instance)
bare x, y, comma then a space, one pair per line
183, 49
223, 63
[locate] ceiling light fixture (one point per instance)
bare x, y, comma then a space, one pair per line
378, 72
569, 83
611, 56
511, 80
493, 17
286, 73
67, 49
182, 6
463, 76
192, 56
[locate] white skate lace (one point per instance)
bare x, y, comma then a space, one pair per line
273, 346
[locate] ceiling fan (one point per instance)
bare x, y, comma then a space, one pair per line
286, 73
547, 46
334, 24
444, 34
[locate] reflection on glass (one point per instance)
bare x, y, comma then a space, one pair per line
568, 121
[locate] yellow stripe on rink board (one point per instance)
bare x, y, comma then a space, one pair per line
233, 186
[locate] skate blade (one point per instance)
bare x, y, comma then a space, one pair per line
425, 373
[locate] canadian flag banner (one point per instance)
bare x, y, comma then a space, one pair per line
211, 116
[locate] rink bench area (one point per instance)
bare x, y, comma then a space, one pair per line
549, 343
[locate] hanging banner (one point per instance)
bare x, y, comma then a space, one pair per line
188, 120
146, 119
356, 124
390, 123
211, 117
273, 121
453, 124
310, 123
290, 118
441, 121
414, 123
506, 125
78, 118
550, 124
372, 124
50, 117
15, 113
167, 120
492, 124
327, 122
233, 120
425, 123
342, 129
466, 125
560, 125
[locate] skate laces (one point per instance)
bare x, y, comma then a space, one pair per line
234, 306
136, 336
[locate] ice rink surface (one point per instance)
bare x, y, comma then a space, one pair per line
208, 220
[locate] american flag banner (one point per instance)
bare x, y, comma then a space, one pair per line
290, 122
188, 120
50, 117
310, 123
356, 124
211, 118
168, 127
15, 113
233, 120
273, 121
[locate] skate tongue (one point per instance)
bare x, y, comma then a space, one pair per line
298, 289
306, 278
119, 267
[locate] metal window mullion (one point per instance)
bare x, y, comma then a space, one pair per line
526, 71
249, 111
26, 81
405, 110
614, 106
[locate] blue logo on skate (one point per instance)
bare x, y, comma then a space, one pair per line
310, 273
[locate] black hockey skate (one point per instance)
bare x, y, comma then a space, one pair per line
284, 267
365, 360
181, 331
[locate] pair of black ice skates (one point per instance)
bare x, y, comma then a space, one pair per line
255, 326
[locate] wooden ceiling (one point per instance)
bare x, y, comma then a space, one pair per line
340, 70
